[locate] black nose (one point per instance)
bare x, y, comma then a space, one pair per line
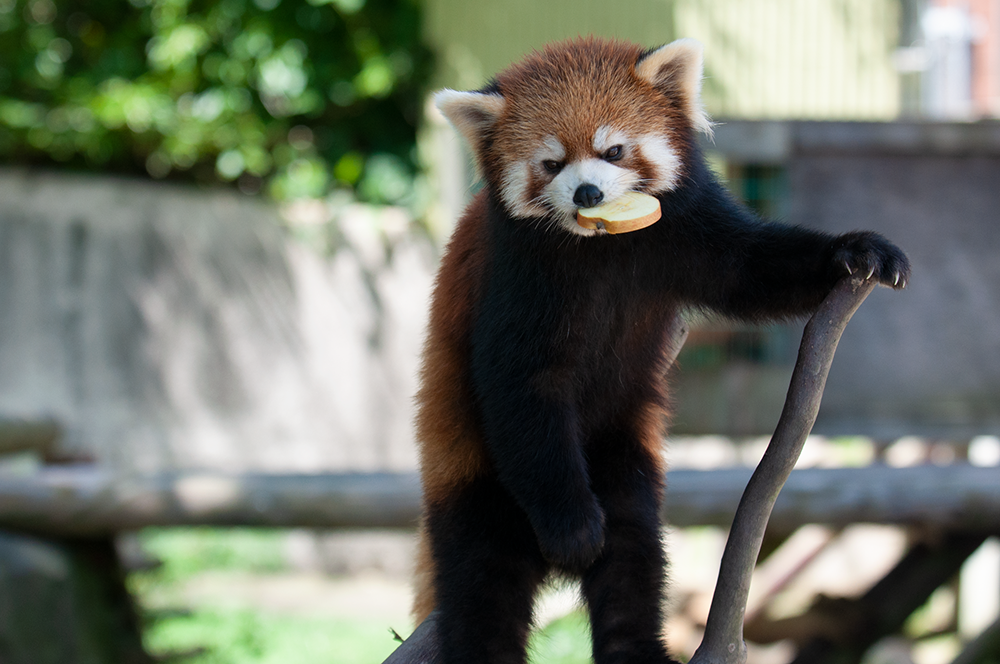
587, 195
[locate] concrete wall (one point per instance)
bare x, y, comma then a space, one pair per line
167, 327
926, 359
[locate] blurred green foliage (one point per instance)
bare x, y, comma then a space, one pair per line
224, 632
184, 552
565, 640
299, 96
229, 635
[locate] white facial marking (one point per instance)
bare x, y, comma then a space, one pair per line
613, 181
551, 149
657, 151
516, 180
514, 191
606, 137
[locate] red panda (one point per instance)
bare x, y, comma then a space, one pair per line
542, 401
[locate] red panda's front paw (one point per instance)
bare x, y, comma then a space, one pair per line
870, 255
575, 542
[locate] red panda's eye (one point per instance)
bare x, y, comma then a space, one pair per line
552, 166
614, 153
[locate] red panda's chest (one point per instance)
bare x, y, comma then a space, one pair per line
609, 346
579, 325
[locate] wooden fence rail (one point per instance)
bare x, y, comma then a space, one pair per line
87, 501
28, 435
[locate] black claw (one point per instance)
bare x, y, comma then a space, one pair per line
884, 260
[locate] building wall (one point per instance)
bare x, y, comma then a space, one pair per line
821, 59
924, 361
806, 60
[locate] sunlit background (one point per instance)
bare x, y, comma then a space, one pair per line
219, 226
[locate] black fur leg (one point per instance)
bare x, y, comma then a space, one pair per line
870, 254
572, 540
488, 570
624, 588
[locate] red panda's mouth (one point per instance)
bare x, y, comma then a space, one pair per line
629, 212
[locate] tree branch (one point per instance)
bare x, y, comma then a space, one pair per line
723, 641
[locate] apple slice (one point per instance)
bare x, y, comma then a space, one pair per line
629, 212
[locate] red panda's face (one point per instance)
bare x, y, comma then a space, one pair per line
556, 172
582, 123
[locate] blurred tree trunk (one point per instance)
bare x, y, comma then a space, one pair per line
65, 602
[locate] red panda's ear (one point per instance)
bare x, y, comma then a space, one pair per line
676, 69
472, 113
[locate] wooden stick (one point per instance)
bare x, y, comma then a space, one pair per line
723, 641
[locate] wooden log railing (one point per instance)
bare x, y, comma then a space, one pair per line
86, 501
38, 436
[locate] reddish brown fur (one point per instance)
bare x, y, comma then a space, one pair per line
451, 449
424, 600
569, 90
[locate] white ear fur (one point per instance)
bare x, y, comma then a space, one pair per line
471, 113
678, 66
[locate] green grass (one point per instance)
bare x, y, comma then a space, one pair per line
222, 634
563, 641
188, 551
238, 635
243, 636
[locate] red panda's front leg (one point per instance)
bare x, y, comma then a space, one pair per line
525, 393
725, 258
534, 446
